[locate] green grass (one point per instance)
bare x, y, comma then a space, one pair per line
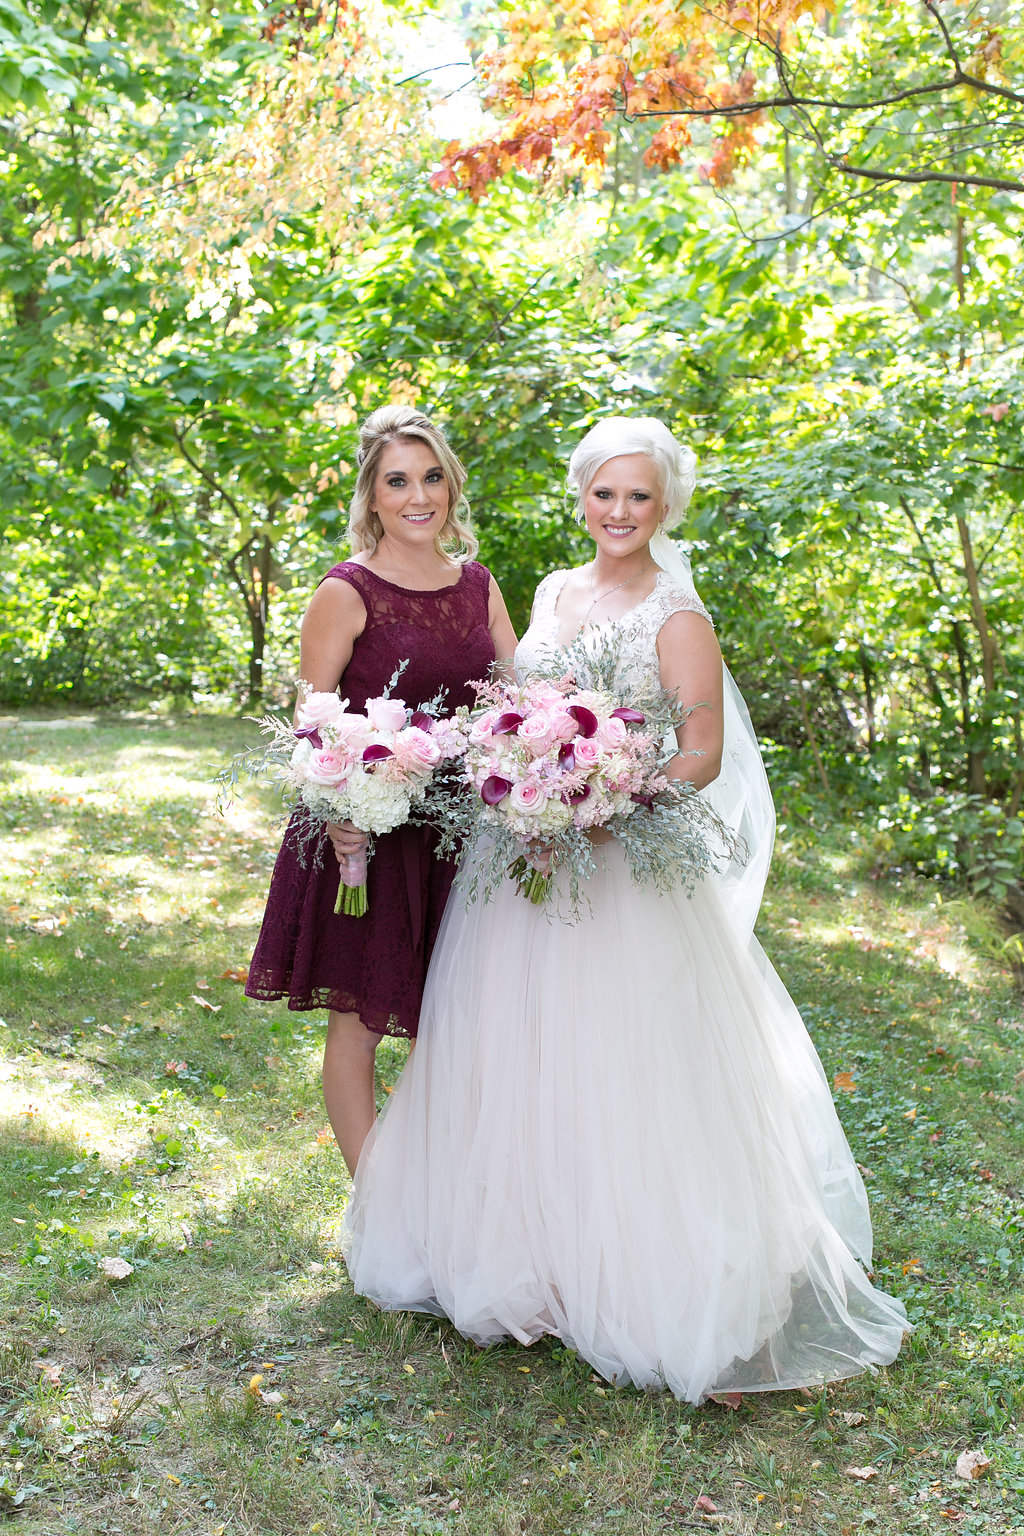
148, 1111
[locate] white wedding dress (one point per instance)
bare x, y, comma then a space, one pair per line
617, 1131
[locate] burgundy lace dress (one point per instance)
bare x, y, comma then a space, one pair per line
375, 965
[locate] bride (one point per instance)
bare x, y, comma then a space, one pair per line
617, 1131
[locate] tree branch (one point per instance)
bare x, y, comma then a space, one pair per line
204, 474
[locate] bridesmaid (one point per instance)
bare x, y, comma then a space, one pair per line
411, 591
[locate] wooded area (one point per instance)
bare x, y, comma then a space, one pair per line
791, 230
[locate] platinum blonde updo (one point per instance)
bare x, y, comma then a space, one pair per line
391, 424
616, 436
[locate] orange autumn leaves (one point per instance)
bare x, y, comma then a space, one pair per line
558, 78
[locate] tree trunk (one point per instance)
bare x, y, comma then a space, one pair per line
867, 672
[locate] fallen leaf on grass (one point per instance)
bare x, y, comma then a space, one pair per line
275, 1063
105, 1029
175, 1068
49, 1369
853, 1419
972, 1464
862, 1474
705, 1506
204, 986
844, 1082
909, 1265
205, 1003
113, 1267
235, 973
273, 1398
733, 1400
970, 1061
956, 1516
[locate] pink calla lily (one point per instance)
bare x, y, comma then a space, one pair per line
629, 716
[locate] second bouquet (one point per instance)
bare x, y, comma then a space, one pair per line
371, 769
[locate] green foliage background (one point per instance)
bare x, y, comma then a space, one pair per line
181, 388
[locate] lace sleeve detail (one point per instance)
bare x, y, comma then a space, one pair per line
667, 599
546, 596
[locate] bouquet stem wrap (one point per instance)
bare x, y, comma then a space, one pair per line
352, 886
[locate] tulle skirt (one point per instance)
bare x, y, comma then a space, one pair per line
618, 1132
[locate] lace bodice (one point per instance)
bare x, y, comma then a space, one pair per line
639, 628
441, 636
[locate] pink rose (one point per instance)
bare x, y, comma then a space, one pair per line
526, 799
544, 696
586, 752
611, 732
480, 730
320, 708
328, 765
538, 733
352, 732
385, 714
415, 751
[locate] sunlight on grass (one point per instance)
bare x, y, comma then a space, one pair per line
150, 1114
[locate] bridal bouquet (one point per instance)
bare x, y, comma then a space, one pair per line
335, 765
547, 760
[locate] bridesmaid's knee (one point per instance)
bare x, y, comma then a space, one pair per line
347, 1032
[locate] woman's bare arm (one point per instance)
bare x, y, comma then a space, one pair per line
691, 666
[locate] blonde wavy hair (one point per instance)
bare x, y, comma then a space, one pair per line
456, 540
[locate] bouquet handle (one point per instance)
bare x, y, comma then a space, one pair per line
351, 900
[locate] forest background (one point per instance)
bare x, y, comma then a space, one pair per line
790, 230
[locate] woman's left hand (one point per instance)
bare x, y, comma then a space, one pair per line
347, 839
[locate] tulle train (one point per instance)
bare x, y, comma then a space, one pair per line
618, 1132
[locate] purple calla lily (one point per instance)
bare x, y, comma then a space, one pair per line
586, 720
566, 758
422, 721
376, 753
647, 800
629, 716
577, 796
309, 733
494, 789
507, 724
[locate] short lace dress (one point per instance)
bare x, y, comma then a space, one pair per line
375, 965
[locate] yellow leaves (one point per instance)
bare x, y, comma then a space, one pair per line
843, 1082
